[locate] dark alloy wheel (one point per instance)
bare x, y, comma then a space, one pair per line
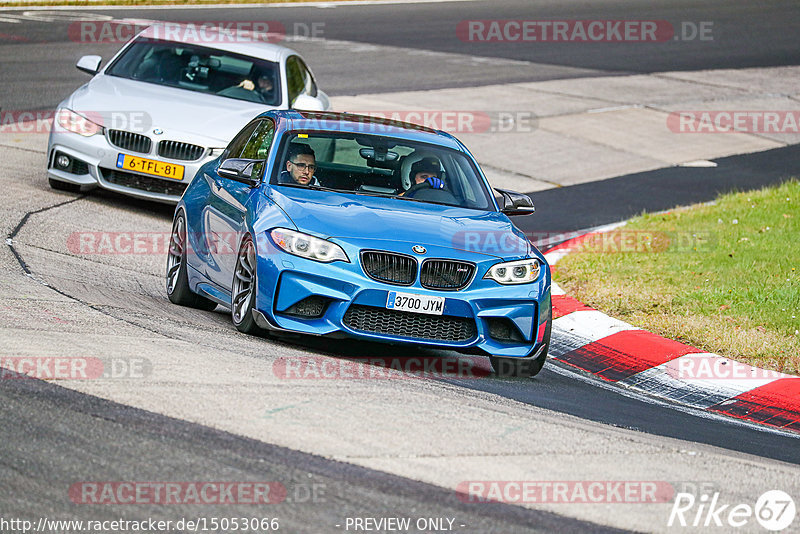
177, 279
243, 291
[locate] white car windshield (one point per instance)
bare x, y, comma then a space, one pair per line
381, 166
200, 69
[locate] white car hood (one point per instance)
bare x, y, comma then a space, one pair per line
181, 114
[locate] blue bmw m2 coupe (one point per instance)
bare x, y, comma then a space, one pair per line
342, 225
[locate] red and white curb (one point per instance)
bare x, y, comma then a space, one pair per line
620, 353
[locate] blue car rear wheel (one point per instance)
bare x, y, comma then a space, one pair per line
178, 289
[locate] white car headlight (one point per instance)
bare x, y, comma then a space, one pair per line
514, 272
307, 246
77, 123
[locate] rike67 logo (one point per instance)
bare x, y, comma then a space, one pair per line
774, 510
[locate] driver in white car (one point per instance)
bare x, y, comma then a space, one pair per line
261, 88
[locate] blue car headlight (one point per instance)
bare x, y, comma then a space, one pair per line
307, 246
514, 272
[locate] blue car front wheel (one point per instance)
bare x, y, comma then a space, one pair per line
243, 289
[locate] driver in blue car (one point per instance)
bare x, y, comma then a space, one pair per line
424, 175
300, 166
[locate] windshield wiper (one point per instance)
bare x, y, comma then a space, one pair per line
368, 194
314, 187
427, 201
373, 194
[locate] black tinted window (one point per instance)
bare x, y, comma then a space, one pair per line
200, 69
236, 146
299, 79
386, 166
259, 143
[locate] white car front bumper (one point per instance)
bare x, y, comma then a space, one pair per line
93, 162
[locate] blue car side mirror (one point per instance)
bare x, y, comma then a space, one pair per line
241, 170
516, 203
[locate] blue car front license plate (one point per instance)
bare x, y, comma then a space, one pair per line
413, 302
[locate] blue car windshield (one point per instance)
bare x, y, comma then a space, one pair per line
381, 166
200, 69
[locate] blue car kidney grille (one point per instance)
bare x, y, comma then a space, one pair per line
406, 324
446, 274
389, 267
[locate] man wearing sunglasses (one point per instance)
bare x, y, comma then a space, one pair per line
300, 166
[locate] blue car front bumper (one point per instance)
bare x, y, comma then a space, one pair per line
338, 299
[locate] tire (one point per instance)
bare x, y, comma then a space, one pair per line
58, 185
244, 288
177, 278
519, 367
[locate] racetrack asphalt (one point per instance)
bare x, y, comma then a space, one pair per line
583, 206
54, 438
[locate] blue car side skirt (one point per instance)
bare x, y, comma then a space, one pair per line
200, 284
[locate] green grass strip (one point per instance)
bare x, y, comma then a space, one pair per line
723, 277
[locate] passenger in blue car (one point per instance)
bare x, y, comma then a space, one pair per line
300, 166
424, 175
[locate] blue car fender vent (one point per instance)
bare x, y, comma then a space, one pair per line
310, 307
389, 267
449, 275
410, 325
503, 330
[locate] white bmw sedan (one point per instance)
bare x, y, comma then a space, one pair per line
163, 106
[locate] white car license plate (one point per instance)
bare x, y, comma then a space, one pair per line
150, 166
413, 302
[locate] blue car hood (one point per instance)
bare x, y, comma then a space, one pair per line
364, 217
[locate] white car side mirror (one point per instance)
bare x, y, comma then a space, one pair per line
89, 64
308, 103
